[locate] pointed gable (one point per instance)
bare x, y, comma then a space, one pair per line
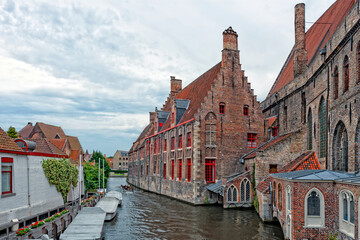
315, 39
48, 131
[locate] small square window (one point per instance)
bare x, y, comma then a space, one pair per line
273, 168
246, 110
222, 108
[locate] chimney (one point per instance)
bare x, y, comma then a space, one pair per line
30, 123
175, 85
152, 116
230, 39
300, 54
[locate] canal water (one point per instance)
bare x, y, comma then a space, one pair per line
145, 215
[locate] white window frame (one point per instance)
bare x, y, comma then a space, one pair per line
315, 221
345, 226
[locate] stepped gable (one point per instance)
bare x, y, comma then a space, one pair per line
306, 161
315, 39
7, 143
45, 146
148, 131
196, 92
50, 131
59, 143
26, 131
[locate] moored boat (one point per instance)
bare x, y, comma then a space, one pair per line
115, 194
109, 206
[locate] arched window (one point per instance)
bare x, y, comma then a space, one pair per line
232, 194
347, 212
340, 148
279, 197
222, 108
288, 198
336, 83
303, 107
357, 147
322, 128
245, 190
314, 209
346, 73
309, 130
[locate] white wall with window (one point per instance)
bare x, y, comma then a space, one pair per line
347, 213
314, 209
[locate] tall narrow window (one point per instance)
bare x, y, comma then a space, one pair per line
180, 170
322, 123
172, 169
188, 143
347, 213
155, 146
309, 130
154, 167
314, 209
274, 194
340, 148
6, 175
285, 117
188, 170
274, 131
180, 141
336, 83
279, 197
222, 108
164, 170
246, 110
210, 134
147, 170
313, 202
172, 143
245, 190
210, 170
252, 140
232, 194
165, 145
346, 73
303, 107
148, 147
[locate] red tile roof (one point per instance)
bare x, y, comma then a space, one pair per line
270, 121
306, 161
7, 143
315, 39
45, 146
74, 143
25, 132
59, 143
74, 157
50, 131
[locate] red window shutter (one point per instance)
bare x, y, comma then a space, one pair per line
7, 160
172, 169
210, 170
246, 110
189, 170
180, 170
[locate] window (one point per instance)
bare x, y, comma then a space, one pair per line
188, 170
232, 194
155, 146
6, 175
347, 213
274, 131
172, 117
346, 74
314, 209
180, 170
172, 169
322, 123
303, 107
188, 144
172, 143
222, 108
165, 145
279, 197
210, 134
148, 147
285, 117
336, 83
164, 170
340, 148
180, 141
147, 170
274, 194
245, 190
309, 143
210, 170
246, 110
273, 168
251, 140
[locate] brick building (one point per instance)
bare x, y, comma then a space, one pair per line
120, 160
196, 138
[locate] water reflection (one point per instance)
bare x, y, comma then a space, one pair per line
146, 215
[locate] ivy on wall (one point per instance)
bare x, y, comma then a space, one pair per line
61, 174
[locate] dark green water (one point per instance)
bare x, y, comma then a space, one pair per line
146, 215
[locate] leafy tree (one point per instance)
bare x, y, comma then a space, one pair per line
61, 174
95, 158
12, 132
91, 173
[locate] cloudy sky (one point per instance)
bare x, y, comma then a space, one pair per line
96, 68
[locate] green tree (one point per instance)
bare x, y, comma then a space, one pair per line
91, 172
95, 158
12, 132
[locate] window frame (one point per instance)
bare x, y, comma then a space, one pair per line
346, 71
346, 226
274, 131
210, 170
230, 192
180, 142
172, 143
8, 162
164, 170
222, 108
172, 169
180, 170
252, 140
246, 110
310, 220
188, 174
188, 142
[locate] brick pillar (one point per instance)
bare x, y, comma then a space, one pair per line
175, 85
300, 54
230, 52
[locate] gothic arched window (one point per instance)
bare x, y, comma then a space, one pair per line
346, 73
322, 128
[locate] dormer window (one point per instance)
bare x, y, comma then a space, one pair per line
161, 124
246, 110
57, 136
222, 108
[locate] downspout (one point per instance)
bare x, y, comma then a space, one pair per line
28, 179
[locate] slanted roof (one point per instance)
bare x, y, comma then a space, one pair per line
74, 157
74, 143
315, 39
7, 143
50, 131
45, 146
313, 175
216, 188
350, 180
264, 186
25, 132
59, 143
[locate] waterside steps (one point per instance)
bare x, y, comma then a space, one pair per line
88, 224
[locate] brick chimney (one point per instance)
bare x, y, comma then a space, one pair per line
230, 39
300, 54
152, 117
175, 85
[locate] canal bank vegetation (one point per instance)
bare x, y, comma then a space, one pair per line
61, 174
91, 171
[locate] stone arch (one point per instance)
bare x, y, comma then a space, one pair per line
322, 128
340, 148
357, 146
314, 208
210, 116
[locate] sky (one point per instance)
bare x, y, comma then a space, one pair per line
97, 68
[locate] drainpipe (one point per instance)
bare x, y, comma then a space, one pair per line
28, 178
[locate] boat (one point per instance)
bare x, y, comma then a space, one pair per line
109, 206
115, 194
